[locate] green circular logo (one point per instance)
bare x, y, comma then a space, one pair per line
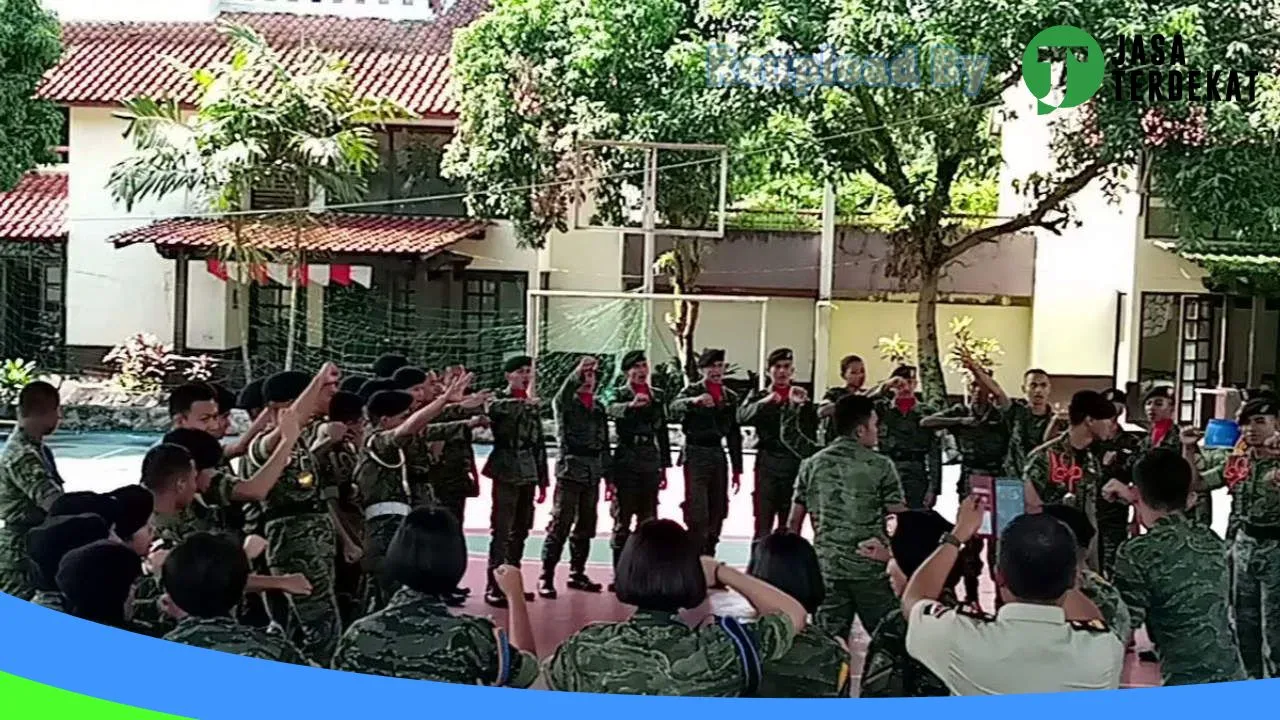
1083, 77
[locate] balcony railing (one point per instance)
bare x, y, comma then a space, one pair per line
383, 9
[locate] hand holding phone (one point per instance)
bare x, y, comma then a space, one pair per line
983, 487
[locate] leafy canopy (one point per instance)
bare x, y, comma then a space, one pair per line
30, 44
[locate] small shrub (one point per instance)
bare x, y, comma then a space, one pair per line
15, 375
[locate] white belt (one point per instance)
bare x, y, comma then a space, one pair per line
386, 508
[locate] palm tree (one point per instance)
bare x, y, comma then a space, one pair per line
260, 121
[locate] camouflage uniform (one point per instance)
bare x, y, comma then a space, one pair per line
51, 599
226, 635
816, 666
707, 431
382, 477
416, 638
584, 459
833, 396
29, 483
1174, 579
1113, 517
847, 490
776, 464
915, 451
1256, 551
889, 672
1107, 598
643, 454
338, 468
301, 539
451, 469
656, 653
983, 449
1062, 474
517, 466
425, 455
1026, 433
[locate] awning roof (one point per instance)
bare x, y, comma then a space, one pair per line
36, 209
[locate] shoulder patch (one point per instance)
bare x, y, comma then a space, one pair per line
976, 613
1096, 625
937, 609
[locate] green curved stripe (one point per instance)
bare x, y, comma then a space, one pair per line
26, 699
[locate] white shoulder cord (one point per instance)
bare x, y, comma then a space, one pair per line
401, 466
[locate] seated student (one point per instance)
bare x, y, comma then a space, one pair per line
49, 542
888, 670
817, 665
1175, 580
135, 506
416, 637
97, 582
655, 652
204, 580
1094, 586
1048, 637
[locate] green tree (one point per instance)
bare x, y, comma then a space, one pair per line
295, 125
30, 44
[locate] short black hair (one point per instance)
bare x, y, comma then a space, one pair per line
250, 398
848, 360
346, 407
428, 553
1089, 404
225, 398
1033, 371
660, 569
50, 541
162, 466
906, 372
206, 574
96, 579
37, 398
184, 396
285, 387
788, 562
1038, 558
1163, 478
84, 501
387, 365
205, 450
1075, 519
134, 506
853, 411
407, 377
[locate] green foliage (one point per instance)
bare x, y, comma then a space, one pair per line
141, 362
14, 375
983, 351
30, 44
896, 350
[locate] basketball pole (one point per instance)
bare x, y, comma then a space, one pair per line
822, 309
650, 242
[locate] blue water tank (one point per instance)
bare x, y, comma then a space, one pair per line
1221, 433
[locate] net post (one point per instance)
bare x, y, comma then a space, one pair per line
650, 249
533, 325
764, 334
822, 310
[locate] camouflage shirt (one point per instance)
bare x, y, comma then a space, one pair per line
583, 434
416, 638
1061, 473
833, 396
29, 483
52, 599
707, 426
451, 468
425, 455
1107, 598
1229, 468
816, 666
519, 455
656, 653
173, 528
903, 440
1026, 433
983, 446
644, 443
847, 490
1172, 440
762, 413
1175, 580
226, 635
1256, 482
300, 488
381, 473
889, 671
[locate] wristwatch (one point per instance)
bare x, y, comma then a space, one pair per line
952, 540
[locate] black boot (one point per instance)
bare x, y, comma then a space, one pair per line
547, 584
494, 597
578, 580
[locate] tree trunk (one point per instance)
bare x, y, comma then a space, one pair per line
245, 321
932, 382
684, 339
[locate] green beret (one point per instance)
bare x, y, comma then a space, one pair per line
631, 359
388, 403
519, 362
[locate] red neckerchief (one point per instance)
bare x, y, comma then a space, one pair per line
1063, 470
782, 392
905, 404
519, 394
716, 391
642, 389
1159, 431
587, 397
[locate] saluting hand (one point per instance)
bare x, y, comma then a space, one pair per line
798, 396
640, 401
1189, 437
1115, 490
287, 424
705, 400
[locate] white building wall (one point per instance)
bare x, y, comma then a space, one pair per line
133, 10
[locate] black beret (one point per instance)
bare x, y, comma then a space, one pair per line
1074, 519
915, 536
387, 365
49, 542
632, 358
250, 398
1115, 395
1259, 393
96, 578
79, 503
225, 398
519, 362
351, 384
285, 386
710, 357
1258, 407
906, 372
372, 386
134, 505
346, 407
206, 451
387, 403
1160, 391
781, 355
407, 377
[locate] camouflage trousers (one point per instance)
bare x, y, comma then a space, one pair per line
915, 482
1256, 603
573, 518
706, 495
14, 578
378, 588
775, 485
509, 524
867, 596
1113, 529
307, 544
635, 499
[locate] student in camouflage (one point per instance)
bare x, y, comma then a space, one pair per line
49, 542
1165, 432
643, 454
1116, 456
888, 670
518, 468
204, 580
97, 580
455, 421
915, 451
854, 373
1101, 592
848, 489
1028, 419
655, 652
707, 412
29, 482
415, 637
776, 464
336, 461
583, 428
1174, 578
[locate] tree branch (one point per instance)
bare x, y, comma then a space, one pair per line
893, 176
1034, 217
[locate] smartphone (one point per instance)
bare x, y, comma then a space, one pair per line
1011, 501
984, 487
